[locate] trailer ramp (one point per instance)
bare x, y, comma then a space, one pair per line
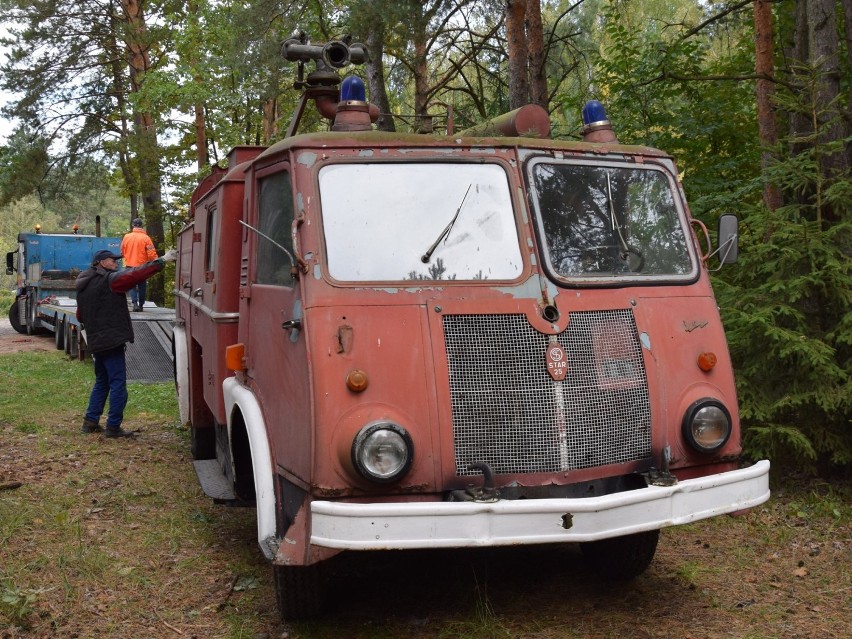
149, 356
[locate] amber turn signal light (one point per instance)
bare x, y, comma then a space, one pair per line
707, 361
235, 357
356, 381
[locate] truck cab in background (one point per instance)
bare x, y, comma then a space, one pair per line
47, 265
391, 341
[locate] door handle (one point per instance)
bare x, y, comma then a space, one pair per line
197, 292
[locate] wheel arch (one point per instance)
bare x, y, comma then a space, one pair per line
181, 371
241, 405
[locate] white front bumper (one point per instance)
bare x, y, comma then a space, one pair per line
383, 526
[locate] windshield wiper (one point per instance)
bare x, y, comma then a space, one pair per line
614, 220
446, 232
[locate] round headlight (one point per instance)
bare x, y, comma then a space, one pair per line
707, 425
382, 451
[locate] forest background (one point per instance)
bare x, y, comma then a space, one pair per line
120, 106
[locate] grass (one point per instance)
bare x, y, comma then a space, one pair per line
114, 539
103, 533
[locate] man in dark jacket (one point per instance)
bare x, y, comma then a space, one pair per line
102, 311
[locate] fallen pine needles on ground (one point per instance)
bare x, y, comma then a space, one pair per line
103, 538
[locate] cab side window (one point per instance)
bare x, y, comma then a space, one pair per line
275, 217
212, 247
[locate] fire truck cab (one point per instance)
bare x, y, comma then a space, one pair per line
390, 341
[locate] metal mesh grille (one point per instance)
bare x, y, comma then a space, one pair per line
508, 411
148, 360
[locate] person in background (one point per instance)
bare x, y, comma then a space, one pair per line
137, 249
105, 320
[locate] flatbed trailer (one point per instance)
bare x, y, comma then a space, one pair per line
149, 356
47, 266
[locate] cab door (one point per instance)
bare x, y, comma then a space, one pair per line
276, 352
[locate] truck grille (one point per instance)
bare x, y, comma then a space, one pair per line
509, 412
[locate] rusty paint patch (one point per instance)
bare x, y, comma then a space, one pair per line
345, 335
693, 325
330, 493
415, 488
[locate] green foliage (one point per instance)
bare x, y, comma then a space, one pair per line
787, 306
23, 165
17, 603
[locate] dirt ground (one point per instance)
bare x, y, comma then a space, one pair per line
152, 557
11, 341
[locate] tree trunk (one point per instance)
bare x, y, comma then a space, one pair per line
201, 156
825, 57
270, 120
847, 20
119, 81
519, 86
375, 42
765, 66
796, 52
421, 79
535, 42
147, 146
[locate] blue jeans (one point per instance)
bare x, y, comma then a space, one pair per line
110, 381
137, 293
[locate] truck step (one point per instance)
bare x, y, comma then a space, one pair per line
213, 481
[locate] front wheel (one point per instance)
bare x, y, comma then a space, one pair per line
622, 558
298, 590
15, 318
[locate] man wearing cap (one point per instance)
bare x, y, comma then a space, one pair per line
102, 311
137, 249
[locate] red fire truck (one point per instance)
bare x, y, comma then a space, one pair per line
395, 341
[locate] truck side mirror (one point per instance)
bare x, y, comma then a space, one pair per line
729, 239
10, 262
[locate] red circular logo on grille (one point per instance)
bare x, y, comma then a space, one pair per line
557, 362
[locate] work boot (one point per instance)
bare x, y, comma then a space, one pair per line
118, 432
91, 427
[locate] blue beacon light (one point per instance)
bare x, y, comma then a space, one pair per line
593, 113
352, 90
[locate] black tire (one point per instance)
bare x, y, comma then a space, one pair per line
32, 317
66, 329
15, 318
59, 333
622, 558
298, 590
73, 341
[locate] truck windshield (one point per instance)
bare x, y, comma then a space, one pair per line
609, 221
419, 221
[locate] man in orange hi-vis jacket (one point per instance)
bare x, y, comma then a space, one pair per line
137, 249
